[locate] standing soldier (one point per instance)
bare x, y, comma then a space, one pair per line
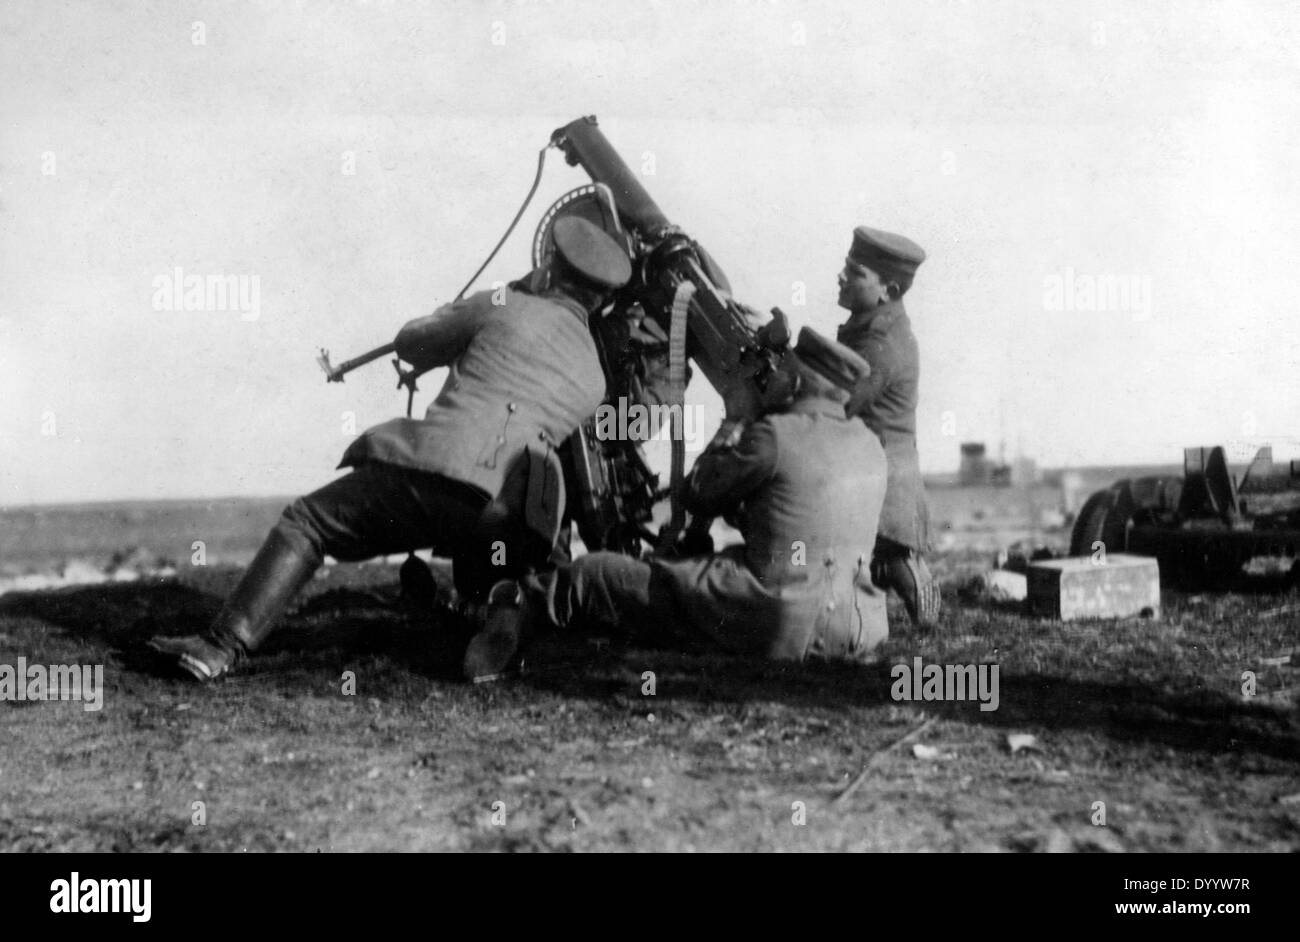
877, 273
524, 373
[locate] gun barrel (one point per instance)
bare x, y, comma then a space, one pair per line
584, 144
724, 344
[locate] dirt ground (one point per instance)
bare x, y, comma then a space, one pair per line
1146, 717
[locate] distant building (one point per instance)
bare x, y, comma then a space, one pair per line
977, 469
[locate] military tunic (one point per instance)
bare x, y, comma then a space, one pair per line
805, 488
520, 372
523, 374
883, 337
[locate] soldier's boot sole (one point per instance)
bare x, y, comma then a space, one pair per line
494, 651
911, 578
196, 655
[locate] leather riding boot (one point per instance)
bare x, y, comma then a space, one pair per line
910, 577
271, 581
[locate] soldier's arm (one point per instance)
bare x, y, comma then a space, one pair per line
724, 477
439, 338
872, 386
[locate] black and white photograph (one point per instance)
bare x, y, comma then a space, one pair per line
665, 426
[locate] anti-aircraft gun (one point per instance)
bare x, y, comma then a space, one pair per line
678, 289
678, 306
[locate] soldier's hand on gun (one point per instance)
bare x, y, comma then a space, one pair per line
742, 401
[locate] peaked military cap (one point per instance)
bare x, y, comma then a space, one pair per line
591, 252
885, 252
831, 359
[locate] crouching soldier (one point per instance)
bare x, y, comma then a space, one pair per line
524, 373
804, 485
877, 273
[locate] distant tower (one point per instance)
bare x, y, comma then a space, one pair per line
974, 468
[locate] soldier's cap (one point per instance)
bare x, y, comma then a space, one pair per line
885, 253
831, 359
591, 252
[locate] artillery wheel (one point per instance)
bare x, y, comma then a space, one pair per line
1104, 519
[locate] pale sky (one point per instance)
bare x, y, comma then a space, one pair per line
1024, 145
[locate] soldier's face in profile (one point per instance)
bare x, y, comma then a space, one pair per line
861, 288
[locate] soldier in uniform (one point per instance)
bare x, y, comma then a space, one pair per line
876, 275
524, 373
804, 484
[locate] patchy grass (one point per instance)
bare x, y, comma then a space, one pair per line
1147, 717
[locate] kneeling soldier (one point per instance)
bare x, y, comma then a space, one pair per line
524, 373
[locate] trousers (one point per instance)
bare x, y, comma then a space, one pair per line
379, 509
718, 600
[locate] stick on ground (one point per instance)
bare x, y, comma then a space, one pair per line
844, 796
